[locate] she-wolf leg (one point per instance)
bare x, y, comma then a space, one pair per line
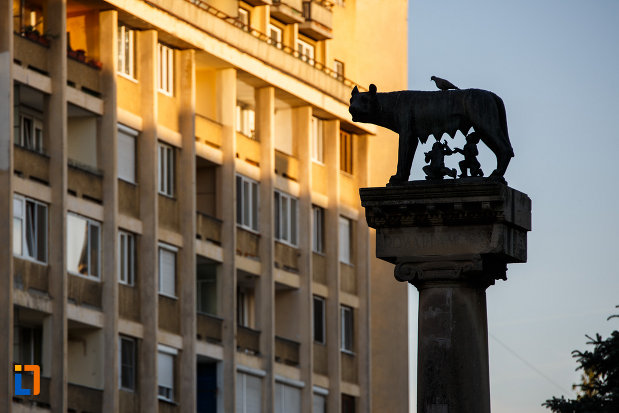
407, 144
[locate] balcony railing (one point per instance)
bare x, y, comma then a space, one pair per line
85, 181
318, 22
208, 228
208, 131
288, 11
286, 351
31, 164
316, 15
84, 399
248, 340
32, 51
209, 328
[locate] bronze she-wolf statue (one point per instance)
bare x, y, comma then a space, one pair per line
415, 115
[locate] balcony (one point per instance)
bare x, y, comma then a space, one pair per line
31, 51
248, 340
83, 76
288, 11
286, 351
208, 131
169, 314
129, 302
42, 400
349, 368
318, 22
128, 199
348, 278
83, 399
208, 228
209, 328
85, 182
168, 213
31, 164
247, 243
286, 166
286, 257
29, 274
259, 2
84, 291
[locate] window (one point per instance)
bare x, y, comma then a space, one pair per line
246, 121
165, 372
306, 51
29, 229
247, 203
318, 225
243, 306
319, 403
206, 279
166, 169
345, 235
126, 258
165, 72
287, 398
319, 320
347, 328
244, 18
167, 270
338, 70
126, 153
127, 361
83, 246
346, 152
275, 36
317, 140
126, 51
285, 218
27, 344
30, 133
248, 393
349, 404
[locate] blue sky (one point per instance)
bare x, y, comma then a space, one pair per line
555, 63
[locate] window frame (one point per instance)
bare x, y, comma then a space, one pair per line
89, 224
174, 250
323, 332
347, 332
303, 47
172, 353
121, 63
35, 126
348, 259
337, 73
166, 168
131, 133
130, 265
318, 139
346, 152
165, 69
132, 365
278, 42
288, 223
246, 20
245, 120
252, 210
23, 228
318, 229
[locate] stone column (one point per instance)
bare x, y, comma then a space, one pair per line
332, 216
302, 118
148, 247
6, 203
265, 298
107, 150
451, 240
226, 104
187, 255
56, 125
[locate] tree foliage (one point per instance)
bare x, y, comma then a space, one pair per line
599, 390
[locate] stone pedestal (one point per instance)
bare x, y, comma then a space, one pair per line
451, 240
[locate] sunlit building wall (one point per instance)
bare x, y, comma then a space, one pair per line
182, 186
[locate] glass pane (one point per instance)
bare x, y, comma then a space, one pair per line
285, 235
239, 200
170, 171
293, 221
30, 232
246, 197
130, 258
254, 204
120, 48
41, 231
277, 216
77, 233
17, 236
122, 258
94, 250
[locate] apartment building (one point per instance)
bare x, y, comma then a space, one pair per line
182, 228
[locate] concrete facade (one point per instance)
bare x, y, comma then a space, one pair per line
162, 188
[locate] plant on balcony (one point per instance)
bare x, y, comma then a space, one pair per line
33, 34
80, 56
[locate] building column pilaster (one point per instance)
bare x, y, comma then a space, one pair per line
265, 301
148, 244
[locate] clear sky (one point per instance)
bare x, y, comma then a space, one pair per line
555, 63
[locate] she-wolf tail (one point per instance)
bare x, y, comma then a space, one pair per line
503, 120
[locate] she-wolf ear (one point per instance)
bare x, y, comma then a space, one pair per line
373, 88
355, 91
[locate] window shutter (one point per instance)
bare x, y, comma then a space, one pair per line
253, 394
165, 370
319, 404
167, 272
126, 156
344, 240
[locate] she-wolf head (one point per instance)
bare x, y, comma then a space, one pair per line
363, 105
